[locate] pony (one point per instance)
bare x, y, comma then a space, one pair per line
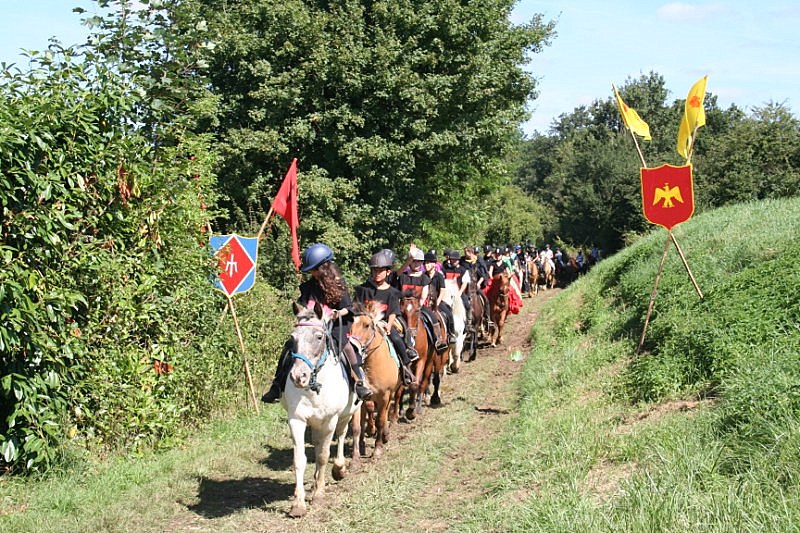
535, 273
452, 298
478, 329
498, 302
383, 377
422, 367
317, 396
549, 274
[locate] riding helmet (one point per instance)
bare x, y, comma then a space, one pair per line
430, 256
314, 256
382, 259
452, 254
417, 255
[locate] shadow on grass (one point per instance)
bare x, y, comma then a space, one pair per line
218, 498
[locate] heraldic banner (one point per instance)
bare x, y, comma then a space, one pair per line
236, 257
667, 195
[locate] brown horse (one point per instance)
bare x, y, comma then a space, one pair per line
498, 305
534, 273
477, 329
383, 377
422, 367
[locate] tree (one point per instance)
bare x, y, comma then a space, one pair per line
412, 105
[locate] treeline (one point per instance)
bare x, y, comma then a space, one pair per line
586, 168
179, 118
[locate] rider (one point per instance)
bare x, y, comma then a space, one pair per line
417, 280
436, 294
327, 287
383, 296
479, 271
453, 270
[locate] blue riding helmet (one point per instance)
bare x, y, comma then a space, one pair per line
314, 256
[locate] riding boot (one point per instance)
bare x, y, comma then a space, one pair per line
281, 373
362, 391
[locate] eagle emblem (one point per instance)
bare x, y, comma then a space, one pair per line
667, 194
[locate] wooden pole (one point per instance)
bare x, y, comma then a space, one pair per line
686, 265
244, 355
653, 294
264, 224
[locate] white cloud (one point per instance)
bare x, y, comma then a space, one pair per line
680, 12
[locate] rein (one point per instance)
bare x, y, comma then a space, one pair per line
313, 384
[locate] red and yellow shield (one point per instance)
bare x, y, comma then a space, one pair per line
667, 195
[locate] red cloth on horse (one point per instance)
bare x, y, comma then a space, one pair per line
514, 300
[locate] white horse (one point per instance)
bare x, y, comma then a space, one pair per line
459, 320
317, 395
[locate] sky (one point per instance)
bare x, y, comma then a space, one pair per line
747, 48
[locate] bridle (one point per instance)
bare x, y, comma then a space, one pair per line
313, 384
365, 346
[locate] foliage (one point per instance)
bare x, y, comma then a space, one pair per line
400, 111
101, 264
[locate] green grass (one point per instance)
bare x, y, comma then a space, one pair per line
603, 440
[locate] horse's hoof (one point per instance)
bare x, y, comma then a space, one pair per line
297, 511
410, 414
436, 401
318, 500
338, 472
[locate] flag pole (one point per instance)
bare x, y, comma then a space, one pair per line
686, 264
244, 355
264, 224
653, 294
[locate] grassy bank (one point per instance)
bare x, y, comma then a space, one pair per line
699, 432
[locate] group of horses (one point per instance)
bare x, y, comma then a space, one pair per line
318, 395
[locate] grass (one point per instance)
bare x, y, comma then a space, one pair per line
702, 432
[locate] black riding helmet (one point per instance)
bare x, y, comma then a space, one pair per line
314, 256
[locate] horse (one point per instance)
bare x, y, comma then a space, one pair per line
383, 377
477, 329
498, 302
549, 273
317, 396
535, 273
422, 367
452, 298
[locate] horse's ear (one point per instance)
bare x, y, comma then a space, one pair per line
318, 310
296, 307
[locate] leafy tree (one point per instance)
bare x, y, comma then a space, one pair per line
409, 105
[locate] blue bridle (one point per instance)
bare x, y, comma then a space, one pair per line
314, 385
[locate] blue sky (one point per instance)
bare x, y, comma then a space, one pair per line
748, 48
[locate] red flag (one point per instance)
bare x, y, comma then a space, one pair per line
285, 205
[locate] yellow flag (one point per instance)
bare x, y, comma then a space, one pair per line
694, 116
631, 118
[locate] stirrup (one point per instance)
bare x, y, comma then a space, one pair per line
412, 354
408, 376
440, 346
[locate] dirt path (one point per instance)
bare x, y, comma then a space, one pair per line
477, 403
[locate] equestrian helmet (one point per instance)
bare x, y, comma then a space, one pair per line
382, 259
430, 256
314, 256
452, 254
417, 255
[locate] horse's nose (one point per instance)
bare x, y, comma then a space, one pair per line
300, 378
